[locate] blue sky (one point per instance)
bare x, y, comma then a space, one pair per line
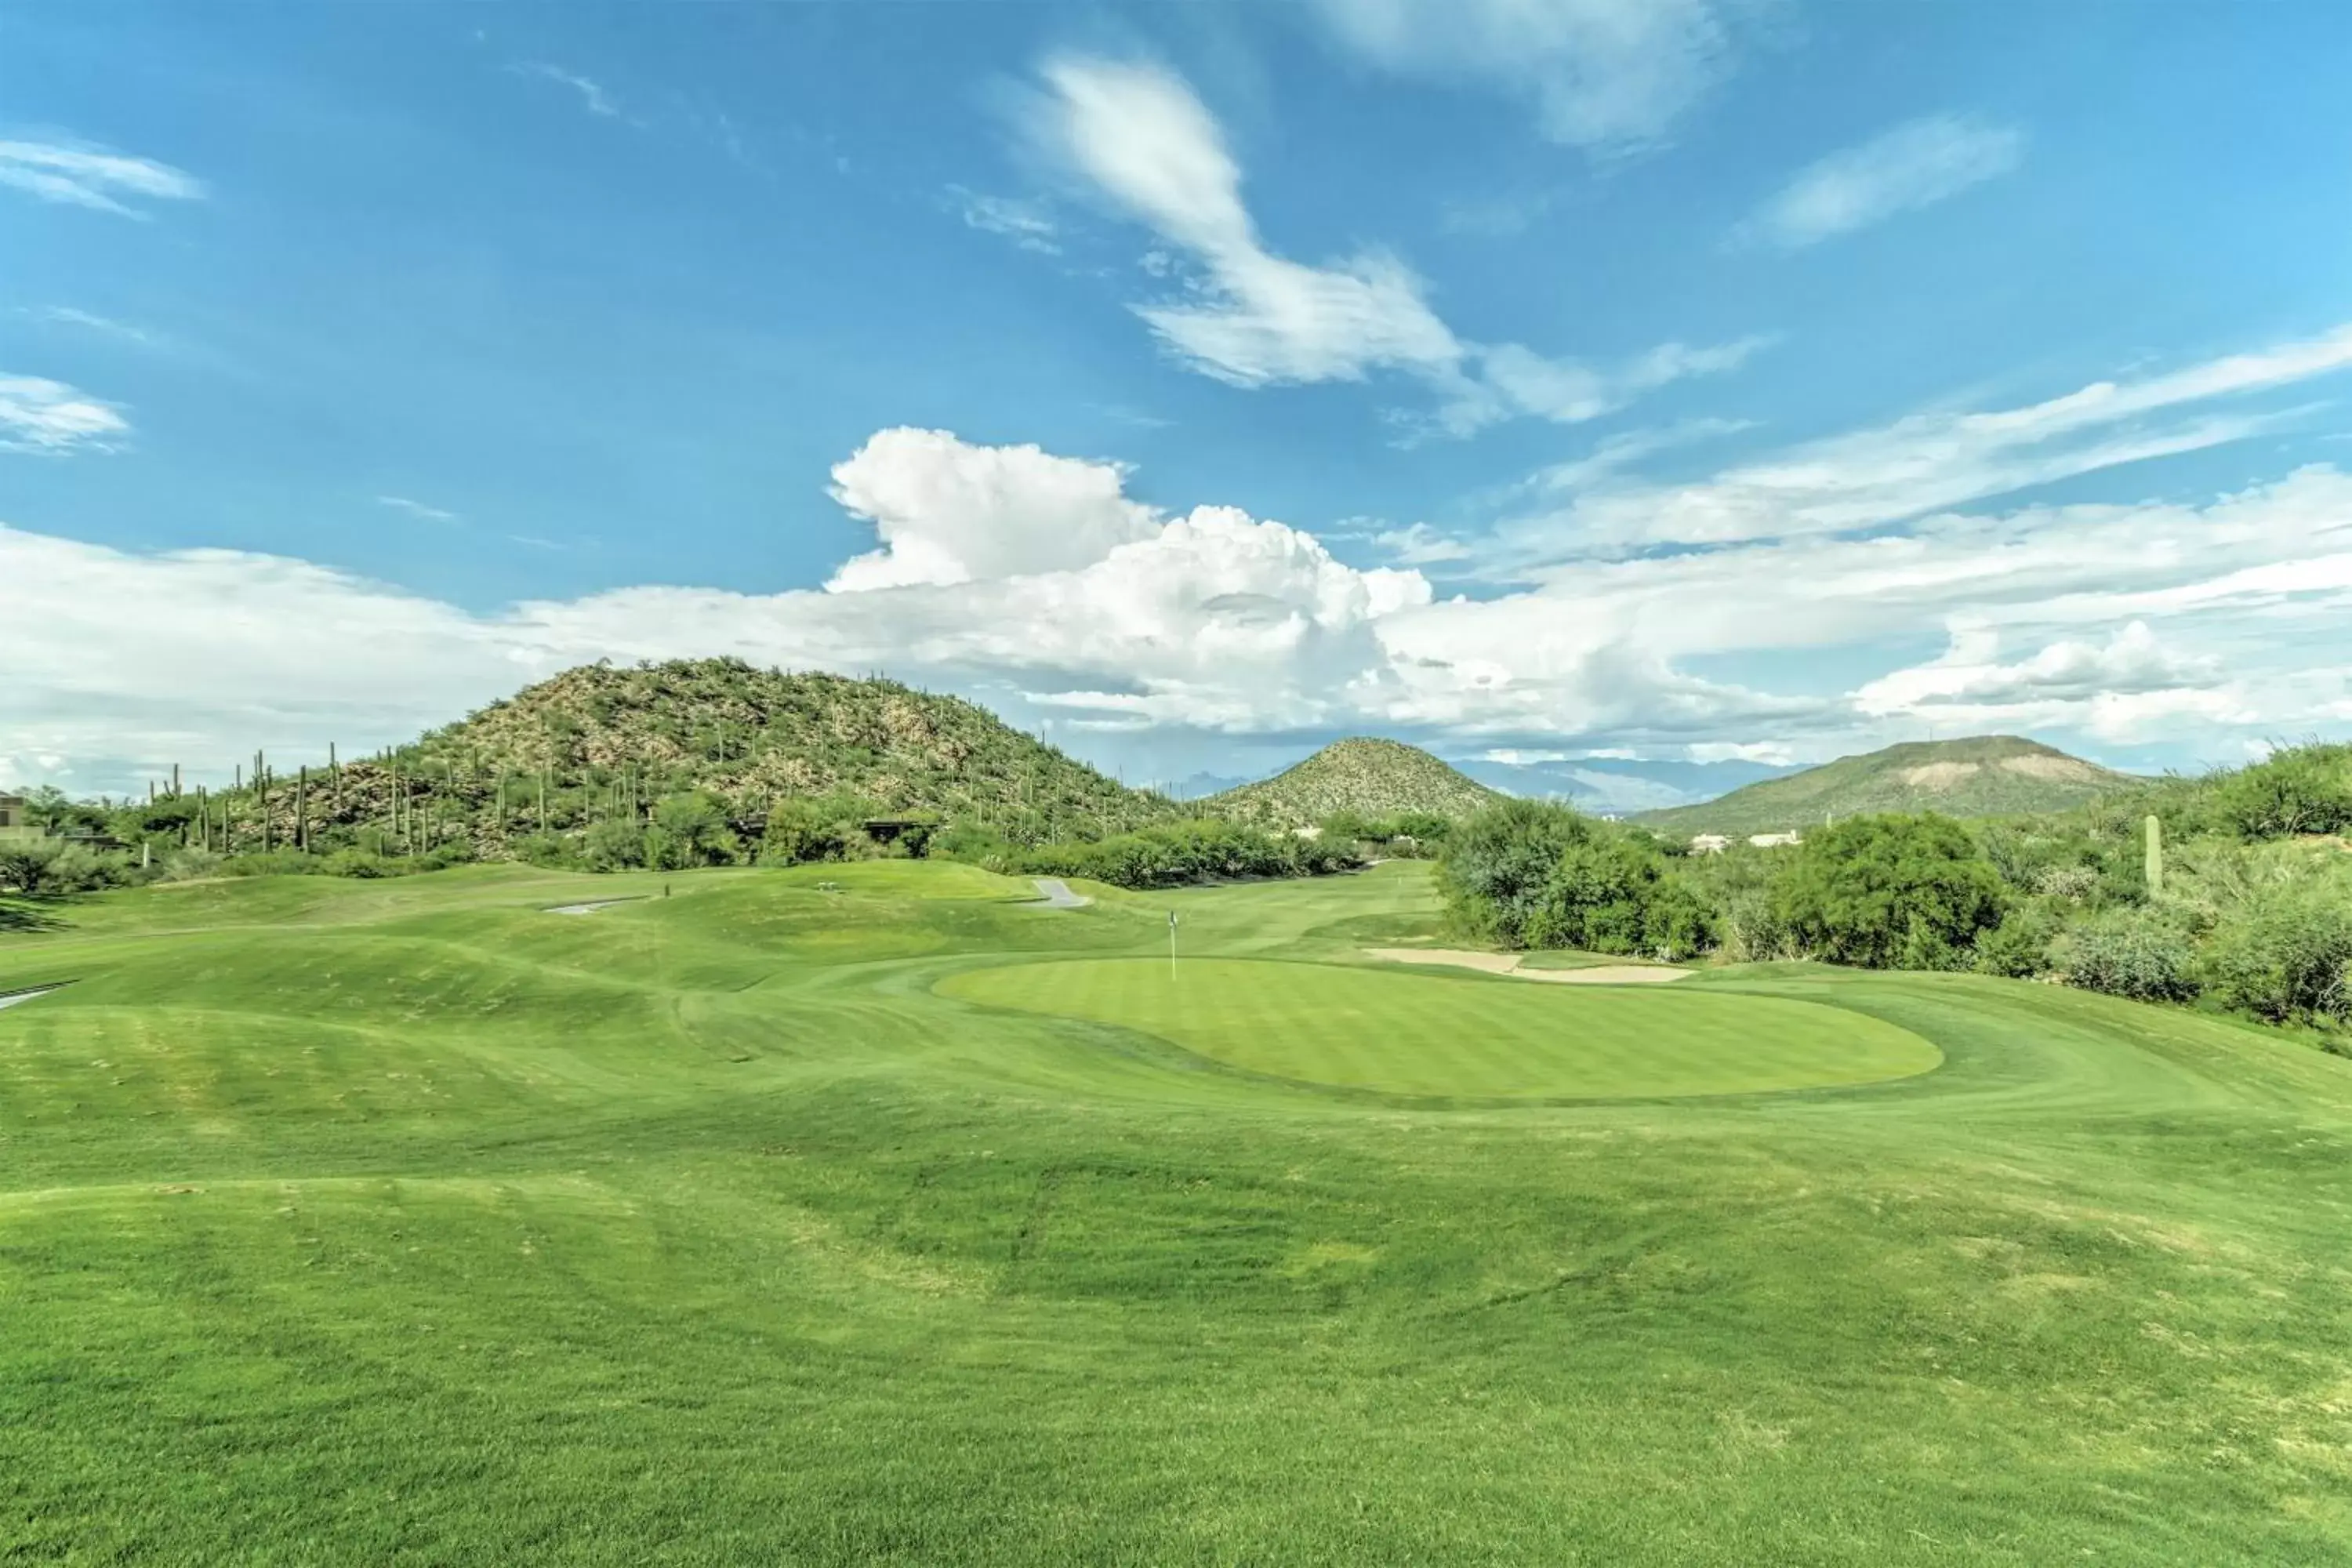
1529, 378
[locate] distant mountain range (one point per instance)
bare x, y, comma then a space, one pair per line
1983, 775
1621, 786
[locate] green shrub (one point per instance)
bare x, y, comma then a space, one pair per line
1890, 892
1528, 873
2018, 948
2305, 789
2285, 957
2142, 954
613, 845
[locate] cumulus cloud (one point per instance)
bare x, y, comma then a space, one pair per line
1011, 570
948, 512
1254, 318
1914, 164
50, 418
1000, 565
1599, 73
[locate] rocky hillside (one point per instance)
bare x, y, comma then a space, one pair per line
1374, 778
599, 742
1984, 776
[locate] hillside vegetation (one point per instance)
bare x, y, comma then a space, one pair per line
1985, 775
1363, 777
2240, 900
567, 770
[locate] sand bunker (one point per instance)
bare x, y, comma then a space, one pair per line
588, 908
1508, 963
11, 1000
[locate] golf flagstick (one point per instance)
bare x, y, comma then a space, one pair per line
1172, 946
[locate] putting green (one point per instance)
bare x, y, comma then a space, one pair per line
1461, 1039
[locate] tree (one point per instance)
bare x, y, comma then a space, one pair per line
1531, 873
689, 830
1890, 892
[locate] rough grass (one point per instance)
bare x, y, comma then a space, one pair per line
407, 1223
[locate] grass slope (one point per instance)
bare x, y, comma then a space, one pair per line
406, 1223
1372, 777
1987, 775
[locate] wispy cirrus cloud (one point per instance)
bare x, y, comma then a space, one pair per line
593, 95
1600, 74
1251, 317
75, 174
1908, 466
50, 419
1915, 164
417, 508
1027, 223
90, 321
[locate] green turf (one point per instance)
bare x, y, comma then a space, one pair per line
402, 1223
1459, 1037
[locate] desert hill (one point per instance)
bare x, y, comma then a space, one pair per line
1983, 775
1374, 778
599, 742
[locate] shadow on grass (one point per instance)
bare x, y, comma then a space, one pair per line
26, 915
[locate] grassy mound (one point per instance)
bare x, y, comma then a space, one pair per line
1441, 1037
404, 1222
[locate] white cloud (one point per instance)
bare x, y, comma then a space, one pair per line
1253, 317
1025, 223
1914, 164
417, 508
1601, 73
1969, 674
948, 512
1009, 569
593, 95
1418, 545
49, 418
66, 315
79, 174
1914, 465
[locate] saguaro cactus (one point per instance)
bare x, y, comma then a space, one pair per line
2154, 858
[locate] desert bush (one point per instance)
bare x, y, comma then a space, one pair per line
2285, 957
190, 865
1537, 874
2143, 954
1890, 892
2304, 789
2018, 948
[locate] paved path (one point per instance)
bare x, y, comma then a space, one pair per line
1055, 894
1508, 963
588, 908
24, 996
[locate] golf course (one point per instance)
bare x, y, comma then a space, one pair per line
888, 1212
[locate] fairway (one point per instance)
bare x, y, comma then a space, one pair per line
878, 1214
1444, 1038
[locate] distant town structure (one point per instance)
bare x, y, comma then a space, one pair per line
16, 821
1717, 843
